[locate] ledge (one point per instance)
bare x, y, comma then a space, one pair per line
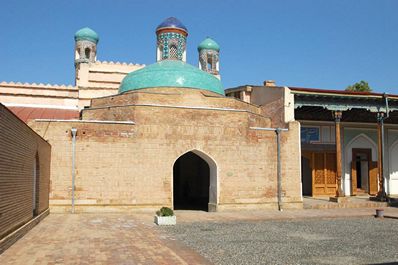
14, 236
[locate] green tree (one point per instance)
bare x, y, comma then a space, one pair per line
361, 86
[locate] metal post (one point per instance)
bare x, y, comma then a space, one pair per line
73, 131
383, 190
279, 178
278, 169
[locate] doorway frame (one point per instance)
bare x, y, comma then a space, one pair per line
355, 151
214, 191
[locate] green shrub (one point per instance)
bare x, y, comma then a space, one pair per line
165, 211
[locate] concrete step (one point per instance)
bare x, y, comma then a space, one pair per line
333, 205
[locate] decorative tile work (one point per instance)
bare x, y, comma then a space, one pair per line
167, 41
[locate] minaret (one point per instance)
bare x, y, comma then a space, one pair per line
209, 57
171, 40
86, 41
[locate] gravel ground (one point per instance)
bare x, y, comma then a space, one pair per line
326, 241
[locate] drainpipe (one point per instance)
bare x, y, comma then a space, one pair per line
387, 107
278, 169
278, 148
73, 131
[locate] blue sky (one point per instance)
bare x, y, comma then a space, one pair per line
319, 44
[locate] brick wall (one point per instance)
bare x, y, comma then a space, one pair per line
22, 153
124, 166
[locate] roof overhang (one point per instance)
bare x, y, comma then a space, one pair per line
335, 100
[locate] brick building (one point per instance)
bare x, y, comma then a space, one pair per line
167, 134
349, 140
24, 176
169, 137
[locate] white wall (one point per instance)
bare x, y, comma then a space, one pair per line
392, 185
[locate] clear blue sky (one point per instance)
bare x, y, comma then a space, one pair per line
319, 44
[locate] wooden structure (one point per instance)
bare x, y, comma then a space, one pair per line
371, 111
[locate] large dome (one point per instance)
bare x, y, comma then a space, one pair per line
86, 34
171, 73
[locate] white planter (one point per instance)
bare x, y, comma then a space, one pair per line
165, 220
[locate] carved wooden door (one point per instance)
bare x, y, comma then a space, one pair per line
330, 173
323, 173
373, 177
353, 178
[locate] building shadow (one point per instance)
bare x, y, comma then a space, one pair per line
387, 263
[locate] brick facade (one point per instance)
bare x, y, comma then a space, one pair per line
125, 166
24, 158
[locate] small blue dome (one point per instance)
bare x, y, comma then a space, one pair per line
172, 23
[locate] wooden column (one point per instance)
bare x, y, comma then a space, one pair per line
380, 145
337, 118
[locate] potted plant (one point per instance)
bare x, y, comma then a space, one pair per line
165, 216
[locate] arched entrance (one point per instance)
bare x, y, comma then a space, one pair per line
361, 166
194, 182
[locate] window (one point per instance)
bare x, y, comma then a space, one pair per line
87, 53
77, 55
209, 63
173, 52
310, 134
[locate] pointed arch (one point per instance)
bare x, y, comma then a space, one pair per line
359, 141
87, 53
362, 135
212, 175
173, 51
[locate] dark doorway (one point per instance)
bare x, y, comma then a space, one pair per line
191, 182
363, 179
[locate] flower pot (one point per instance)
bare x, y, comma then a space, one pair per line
165, 220
379, 213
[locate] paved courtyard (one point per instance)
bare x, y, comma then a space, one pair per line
97, 239
333, 236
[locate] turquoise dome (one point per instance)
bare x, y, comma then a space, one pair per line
86, 34
171, 73
209, 44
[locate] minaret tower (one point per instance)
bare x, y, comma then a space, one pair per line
171, 40
86, 41
209, 57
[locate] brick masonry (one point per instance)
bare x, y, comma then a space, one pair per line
129, 166
23, 153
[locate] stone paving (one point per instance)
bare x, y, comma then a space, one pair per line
97, 239
352, 202
133, 238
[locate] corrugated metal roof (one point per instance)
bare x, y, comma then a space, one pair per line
28, 113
